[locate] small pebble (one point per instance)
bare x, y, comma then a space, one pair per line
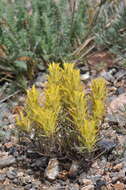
28, 187
88, 187
119, 186
87, 182
73, 169
2, 177
52, 169
118, 167
11, 174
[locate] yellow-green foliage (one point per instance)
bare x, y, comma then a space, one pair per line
41, 117
23, 122
64, 92
70, 83
99, 93
54, 76
88, 133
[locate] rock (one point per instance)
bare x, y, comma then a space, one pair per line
100, 184
11, 174
73, 169
95, 178
121, 90
83, 68
2, 177
106, 145
25, 180
30, 172
119, 186
118, 176
52, 169
121, 139
40, 80
81, 177
7, 161
32, 154
85, 76
118, 167
116, 118
118, 104
8, 146
109, 187
112, 71
36, 184
88, 187
120, 74
52, 187
4, 109
20, 174
28, 187
10, 187
122, 174
107, 76
16, 181
72, 187
87, 182
40, 162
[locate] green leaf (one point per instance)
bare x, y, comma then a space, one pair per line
21, 65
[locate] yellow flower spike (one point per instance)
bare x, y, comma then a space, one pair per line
88, 133
55, 74
99, 90
71, 78
32, 96
53, 102
98, 110
99, 94
23, 122
78, 108
46, 120
70, 83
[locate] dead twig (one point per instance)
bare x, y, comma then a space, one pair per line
84, 45
87, 52
10, 96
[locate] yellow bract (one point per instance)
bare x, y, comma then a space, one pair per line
99, 90
88, 133
54, 76
43, 117
24, 122
99, 94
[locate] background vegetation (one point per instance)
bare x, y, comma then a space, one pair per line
36, 32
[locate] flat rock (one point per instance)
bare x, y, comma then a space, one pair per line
7, 161
118, 104
107, 76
